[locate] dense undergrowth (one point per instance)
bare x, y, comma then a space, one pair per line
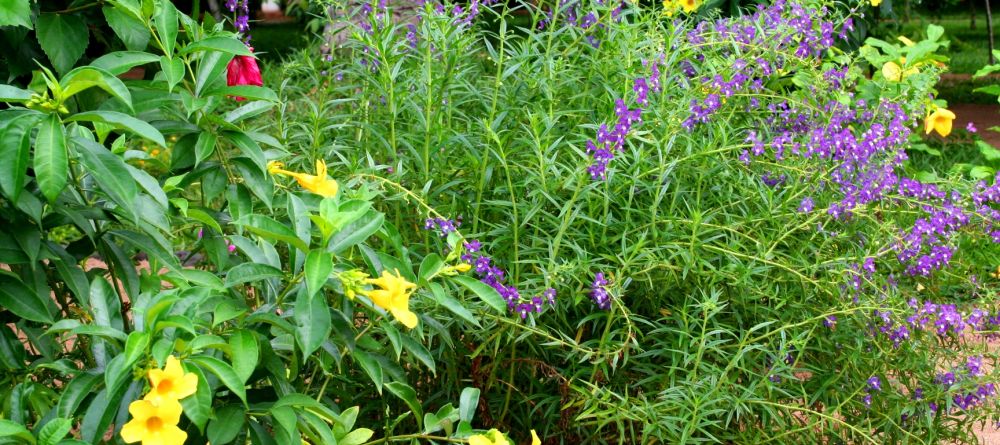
620, 224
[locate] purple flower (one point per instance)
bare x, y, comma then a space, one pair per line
874, 384
970, 127
599, 292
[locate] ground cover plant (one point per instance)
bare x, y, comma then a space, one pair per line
611, 223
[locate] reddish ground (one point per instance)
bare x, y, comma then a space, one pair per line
983, 117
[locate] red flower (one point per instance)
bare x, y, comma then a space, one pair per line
243, 70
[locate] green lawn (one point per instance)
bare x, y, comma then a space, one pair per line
276, 40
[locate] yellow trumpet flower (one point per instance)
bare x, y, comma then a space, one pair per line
154, 424
892, 71
689, 5
394, 296
171, 382
492, 437
939, 120
534, 438
875, 3
320, 183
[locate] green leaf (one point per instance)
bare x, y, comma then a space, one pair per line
248, 147
467, 404
429, 267
74, 393
356, 437
249, 110
15, 13
228, 422
16, 430
10, 93
420, 352
130, 30
122, 121
356, 232
51, 158
228, 45
484, 292
409, 396
119, 62
981, 172
54, 431
22, 301
270, 229
204, 147
198, 407
86, 77
319, 266
312, 321
173, 71
166, 26
110, 173
15, 151
250, 272
370, 366
225, 374
63, 37
246, 92
245, 353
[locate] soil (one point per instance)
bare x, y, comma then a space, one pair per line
983, 117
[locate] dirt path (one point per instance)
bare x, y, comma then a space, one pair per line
983, 117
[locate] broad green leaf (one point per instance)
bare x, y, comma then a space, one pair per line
467, 404
63, 38
119, 62
75, 392
127, 26
249, 110
225, 374
86, 77
420, 352
15, 151
198, 407
204, 147
429, 267
166, 26
248, 147
173, 71
199, 277
312, 321
484, 292
370, 366
10, 93
245, 353
54, 431
111, 173
51, 158
319, 266
409, 396
229, 45
117, 373
250, 272
356, 232
246, 92
228, 422
22, 301
15, 13
149, 245
270, 229
135, 346
356, 437
15, 430
122, 121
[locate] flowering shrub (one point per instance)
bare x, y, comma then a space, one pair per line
594, 222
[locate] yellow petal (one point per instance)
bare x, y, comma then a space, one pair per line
479, 439
320, 168
173, 369
172, 435
876, 2
187, 385
928, 124
141, 410
133, 431
405, 316
903, 39
170, 412
534, 438
892, 71
943, 126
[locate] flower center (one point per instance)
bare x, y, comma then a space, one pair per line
154, 424
165, 386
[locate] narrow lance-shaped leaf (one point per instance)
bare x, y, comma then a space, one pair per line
51, 157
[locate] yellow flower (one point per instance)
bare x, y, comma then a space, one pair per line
492, 437
463, 267
320, 183
171, 382
394, 296
905, 40
875, 3
892, 71
939, 120
689, 5
534, 438
669, 8
154, 424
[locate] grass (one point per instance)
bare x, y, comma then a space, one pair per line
275, 40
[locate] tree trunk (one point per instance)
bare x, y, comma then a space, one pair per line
972, 14
989, 26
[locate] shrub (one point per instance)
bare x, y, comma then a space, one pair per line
615, 223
